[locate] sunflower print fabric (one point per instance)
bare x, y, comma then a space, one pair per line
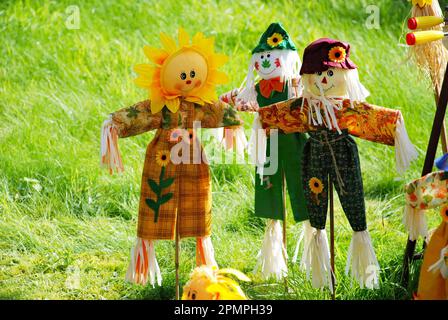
173, 190
364, 120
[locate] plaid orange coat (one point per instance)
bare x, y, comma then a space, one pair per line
176, 183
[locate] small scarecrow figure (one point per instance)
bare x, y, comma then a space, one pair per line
275, 66
176, 189
429, 192
211, 283
332, 108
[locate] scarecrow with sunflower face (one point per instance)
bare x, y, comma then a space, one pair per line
425, 193
332, 109
273, 76
176, 187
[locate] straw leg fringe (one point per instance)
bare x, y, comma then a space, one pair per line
361, 261
316, 260
143, 266
205, 253
306, 235
272, 256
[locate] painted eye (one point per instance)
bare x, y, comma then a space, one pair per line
330, 73
193, 296
319, 73
192, 74
262, 57
183, 76
268, 55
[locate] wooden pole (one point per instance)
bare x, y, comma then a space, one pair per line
431, 151
284, 224
443, 139
176, 258
330, 194
284, 209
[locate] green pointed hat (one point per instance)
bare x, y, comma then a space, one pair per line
275, 37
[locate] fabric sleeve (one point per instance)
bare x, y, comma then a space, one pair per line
217, 115
370, 122
287, 116
136, 119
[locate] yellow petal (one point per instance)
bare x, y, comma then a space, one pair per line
207, 93
241, 276
173, 104
142, 82
193, 99
197, 38
156, 55
217, 60
184, 38
144, 69
168, 43
217, 77
156, 105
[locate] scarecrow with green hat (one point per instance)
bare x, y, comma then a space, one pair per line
273, 76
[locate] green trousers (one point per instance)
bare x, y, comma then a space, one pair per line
269, 195
330, 154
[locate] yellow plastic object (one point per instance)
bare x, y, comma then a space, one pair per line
424, 22
421, 37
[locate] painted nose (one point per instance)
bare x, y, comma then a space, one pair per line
324, 80
188, 81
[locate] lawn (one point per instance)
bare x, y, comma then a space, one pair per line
63, 218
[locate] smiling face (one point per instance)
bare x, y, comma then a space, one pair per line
196, 289
183, 73
332, 82
268, 64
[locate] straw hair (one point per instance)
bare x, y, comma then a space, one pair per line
430, 57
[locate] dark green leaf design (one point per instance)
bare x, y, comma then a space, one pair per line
132, 112
154, 186
266, 64
230, 117
166, 118
166, 183
166, 197
152, 204
157, 188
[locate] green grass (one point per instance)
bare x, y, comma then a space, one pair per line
61, 214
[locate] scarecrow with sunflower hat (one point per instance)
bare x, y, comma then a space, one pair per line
425, 193
275, 66
176, 188
332, 109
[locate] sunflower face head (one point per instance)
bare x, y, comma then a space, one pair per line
186, 70
196, 287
